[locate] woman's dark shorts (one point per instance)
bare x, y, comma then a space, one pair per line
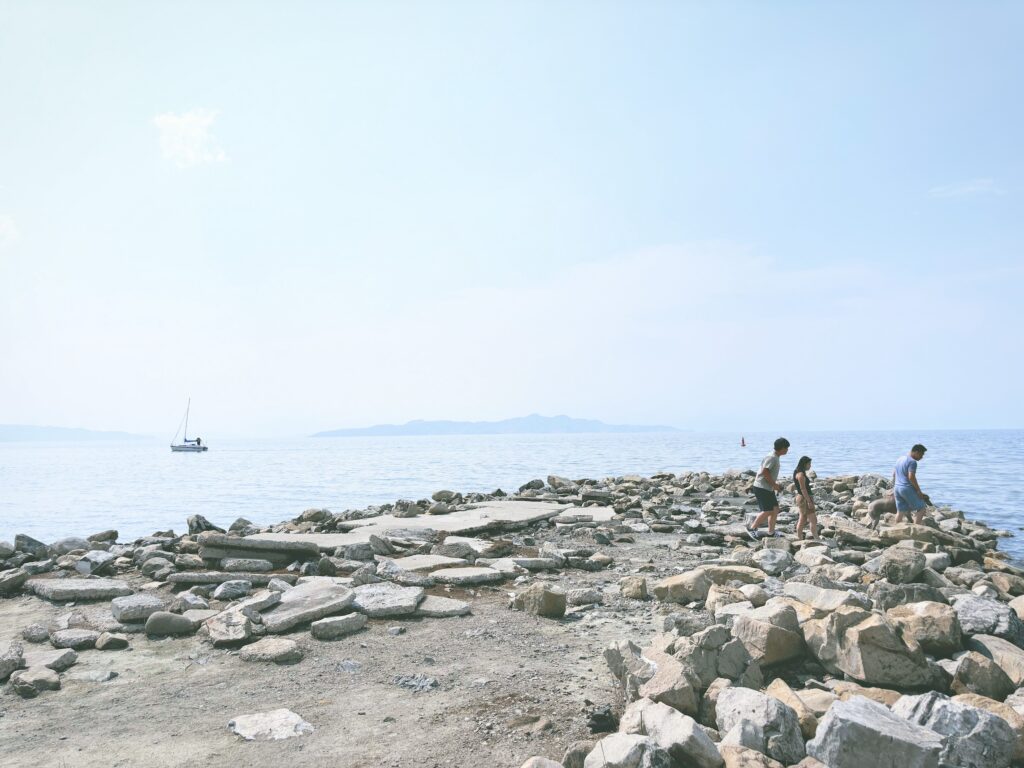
766, 500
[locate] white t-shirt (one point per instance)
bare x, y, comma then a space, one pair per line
771, 463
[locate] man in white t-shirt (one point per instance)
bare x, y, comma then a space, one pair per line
766, 485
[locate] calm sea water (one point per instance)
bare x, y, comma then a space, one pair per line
50, 490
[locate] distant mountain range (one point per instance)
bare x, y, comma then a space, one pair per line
523, 425
14, 433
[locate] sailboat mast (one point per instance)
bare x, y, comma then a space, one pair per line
187, 407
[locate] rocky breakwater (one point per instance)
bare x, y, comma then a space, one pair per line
896, 646
902, 645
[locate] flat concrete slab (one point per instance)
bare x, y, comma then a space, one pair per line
387, 599
426, 563
576, 515
219, 577
441, 607
307, 602
489, 516
79, 589
462, 577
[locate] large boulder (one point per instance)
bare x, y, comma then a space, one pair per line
1008, 656
692, 586
770, 634
860, 733
864, 646
752, 719
623, 750
885, 595
772, 561
806, 716
1012, 717
541, 600
673, 683
975, 738
713, 653
932, 627
901, 565
726, 574
674, 732
985, 616
974, 673
629, 667
719, 597
824, 600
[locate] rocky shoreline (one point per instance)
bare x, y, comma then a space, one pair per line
902, 645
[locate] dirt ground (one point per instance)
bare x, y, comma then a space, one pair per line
510, 686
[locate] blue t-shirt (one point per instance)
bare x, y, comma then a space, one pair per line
904, 467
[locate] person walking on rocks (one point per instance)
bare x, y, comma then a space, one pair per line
910, 499
805, 499
766, 485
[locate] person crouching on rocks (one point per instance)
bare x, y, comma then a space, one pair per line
766, 485
805, 499
910, 499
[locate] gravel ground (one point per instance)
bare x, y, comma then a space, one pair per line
509, 686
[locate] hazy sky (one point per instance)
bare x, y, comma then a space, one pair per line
311, 215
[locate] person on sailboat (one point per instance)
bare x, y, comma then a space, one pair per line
199, 441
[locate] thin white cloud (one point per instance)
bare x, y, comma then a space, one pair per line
8, 230
186, 138
971, 188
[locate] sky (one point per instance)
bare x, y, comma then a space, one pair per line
311, 215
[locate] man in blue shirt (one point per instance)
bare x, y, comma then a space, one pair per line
909, 496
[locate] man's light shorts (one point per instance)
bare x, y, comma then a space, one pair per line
907, 500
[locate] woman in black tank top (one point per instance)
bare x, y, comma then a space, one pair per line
805, 499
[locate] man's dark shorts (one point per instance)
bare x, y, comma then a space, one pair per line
766, 500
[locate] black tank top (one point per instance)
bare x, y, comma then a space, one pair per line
799, 488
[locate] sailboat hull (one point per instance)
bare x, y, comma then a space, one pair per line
188, 448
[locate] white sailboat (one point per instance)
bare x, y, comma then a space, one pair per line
187, 446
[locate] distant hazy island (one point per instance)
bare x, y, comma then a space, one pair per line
14, 433
523, 425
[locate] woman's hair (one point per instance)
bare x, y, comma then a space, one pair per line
803, 464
